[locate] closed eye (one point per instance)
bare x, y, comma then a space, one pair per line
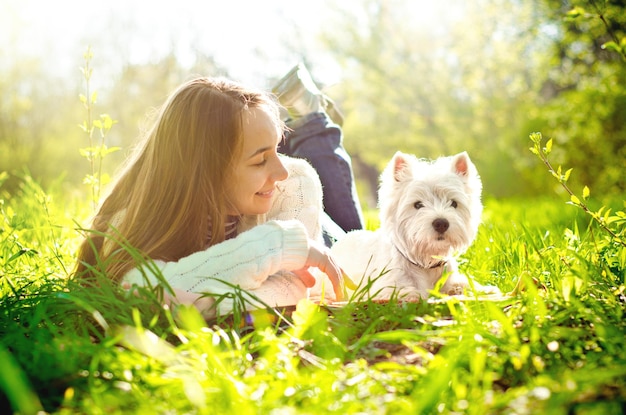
260, 160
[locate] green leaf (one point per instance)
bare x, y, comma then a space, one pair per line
575, 200
109, 150
107, 121
148, 343
535, 138
105, 179
567, 174
90, 180
22, 251
612, 46
571, 286
306, 316
190, 318
88, 153
575, 13
586, 193
548, 148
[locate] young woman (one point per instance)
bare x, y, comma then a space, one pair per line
212, 206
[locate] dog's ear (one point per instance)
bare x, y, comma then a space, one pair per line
401, 166
462, 165
466, 170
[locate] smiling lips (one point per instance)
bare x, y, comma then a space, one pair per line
267, 193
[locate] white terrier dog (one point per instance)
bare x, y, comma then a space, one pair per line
428, 212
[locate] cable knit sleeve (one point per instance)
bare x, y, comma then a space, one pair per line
299, 197
246, 260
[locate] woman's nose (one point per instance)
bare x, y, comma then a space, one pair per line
280, 172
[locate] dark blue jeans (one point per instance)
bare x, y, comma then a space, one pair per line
317, 139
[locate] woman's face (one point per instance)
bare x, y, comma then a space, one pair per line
258, 168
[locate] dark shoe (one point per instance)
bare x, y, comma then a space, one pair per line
298, 93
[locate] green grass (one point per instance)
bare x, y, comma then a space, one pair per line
556, 346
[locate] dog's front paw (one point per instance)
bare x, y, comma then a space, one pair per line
409, 294
456, 284
461, 288
459, 284
455, 289
486, 289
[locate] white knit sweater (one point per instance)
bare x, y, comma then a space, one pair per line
259, 257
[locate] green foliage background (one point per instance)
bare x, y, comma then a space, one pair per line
506, 69
495, 71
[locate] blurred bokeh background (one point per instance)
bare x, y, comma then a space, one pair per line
428, 78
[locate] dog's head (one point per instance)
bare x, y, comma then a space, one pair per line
430, 208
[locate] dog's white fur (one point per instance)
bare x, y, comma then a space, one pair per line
429, 211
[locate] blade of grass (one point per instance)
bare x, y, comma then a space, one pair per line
14, 383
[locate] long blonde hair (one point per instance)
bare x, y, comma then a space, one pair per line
172, 193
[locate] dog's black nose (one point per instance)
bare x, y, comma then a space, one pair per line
441, 225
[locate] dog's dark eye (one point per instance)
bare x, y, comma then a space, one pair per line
418, 205
454, 204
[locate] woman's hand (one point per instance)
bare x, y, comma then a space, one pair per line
319, 257
204, 304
